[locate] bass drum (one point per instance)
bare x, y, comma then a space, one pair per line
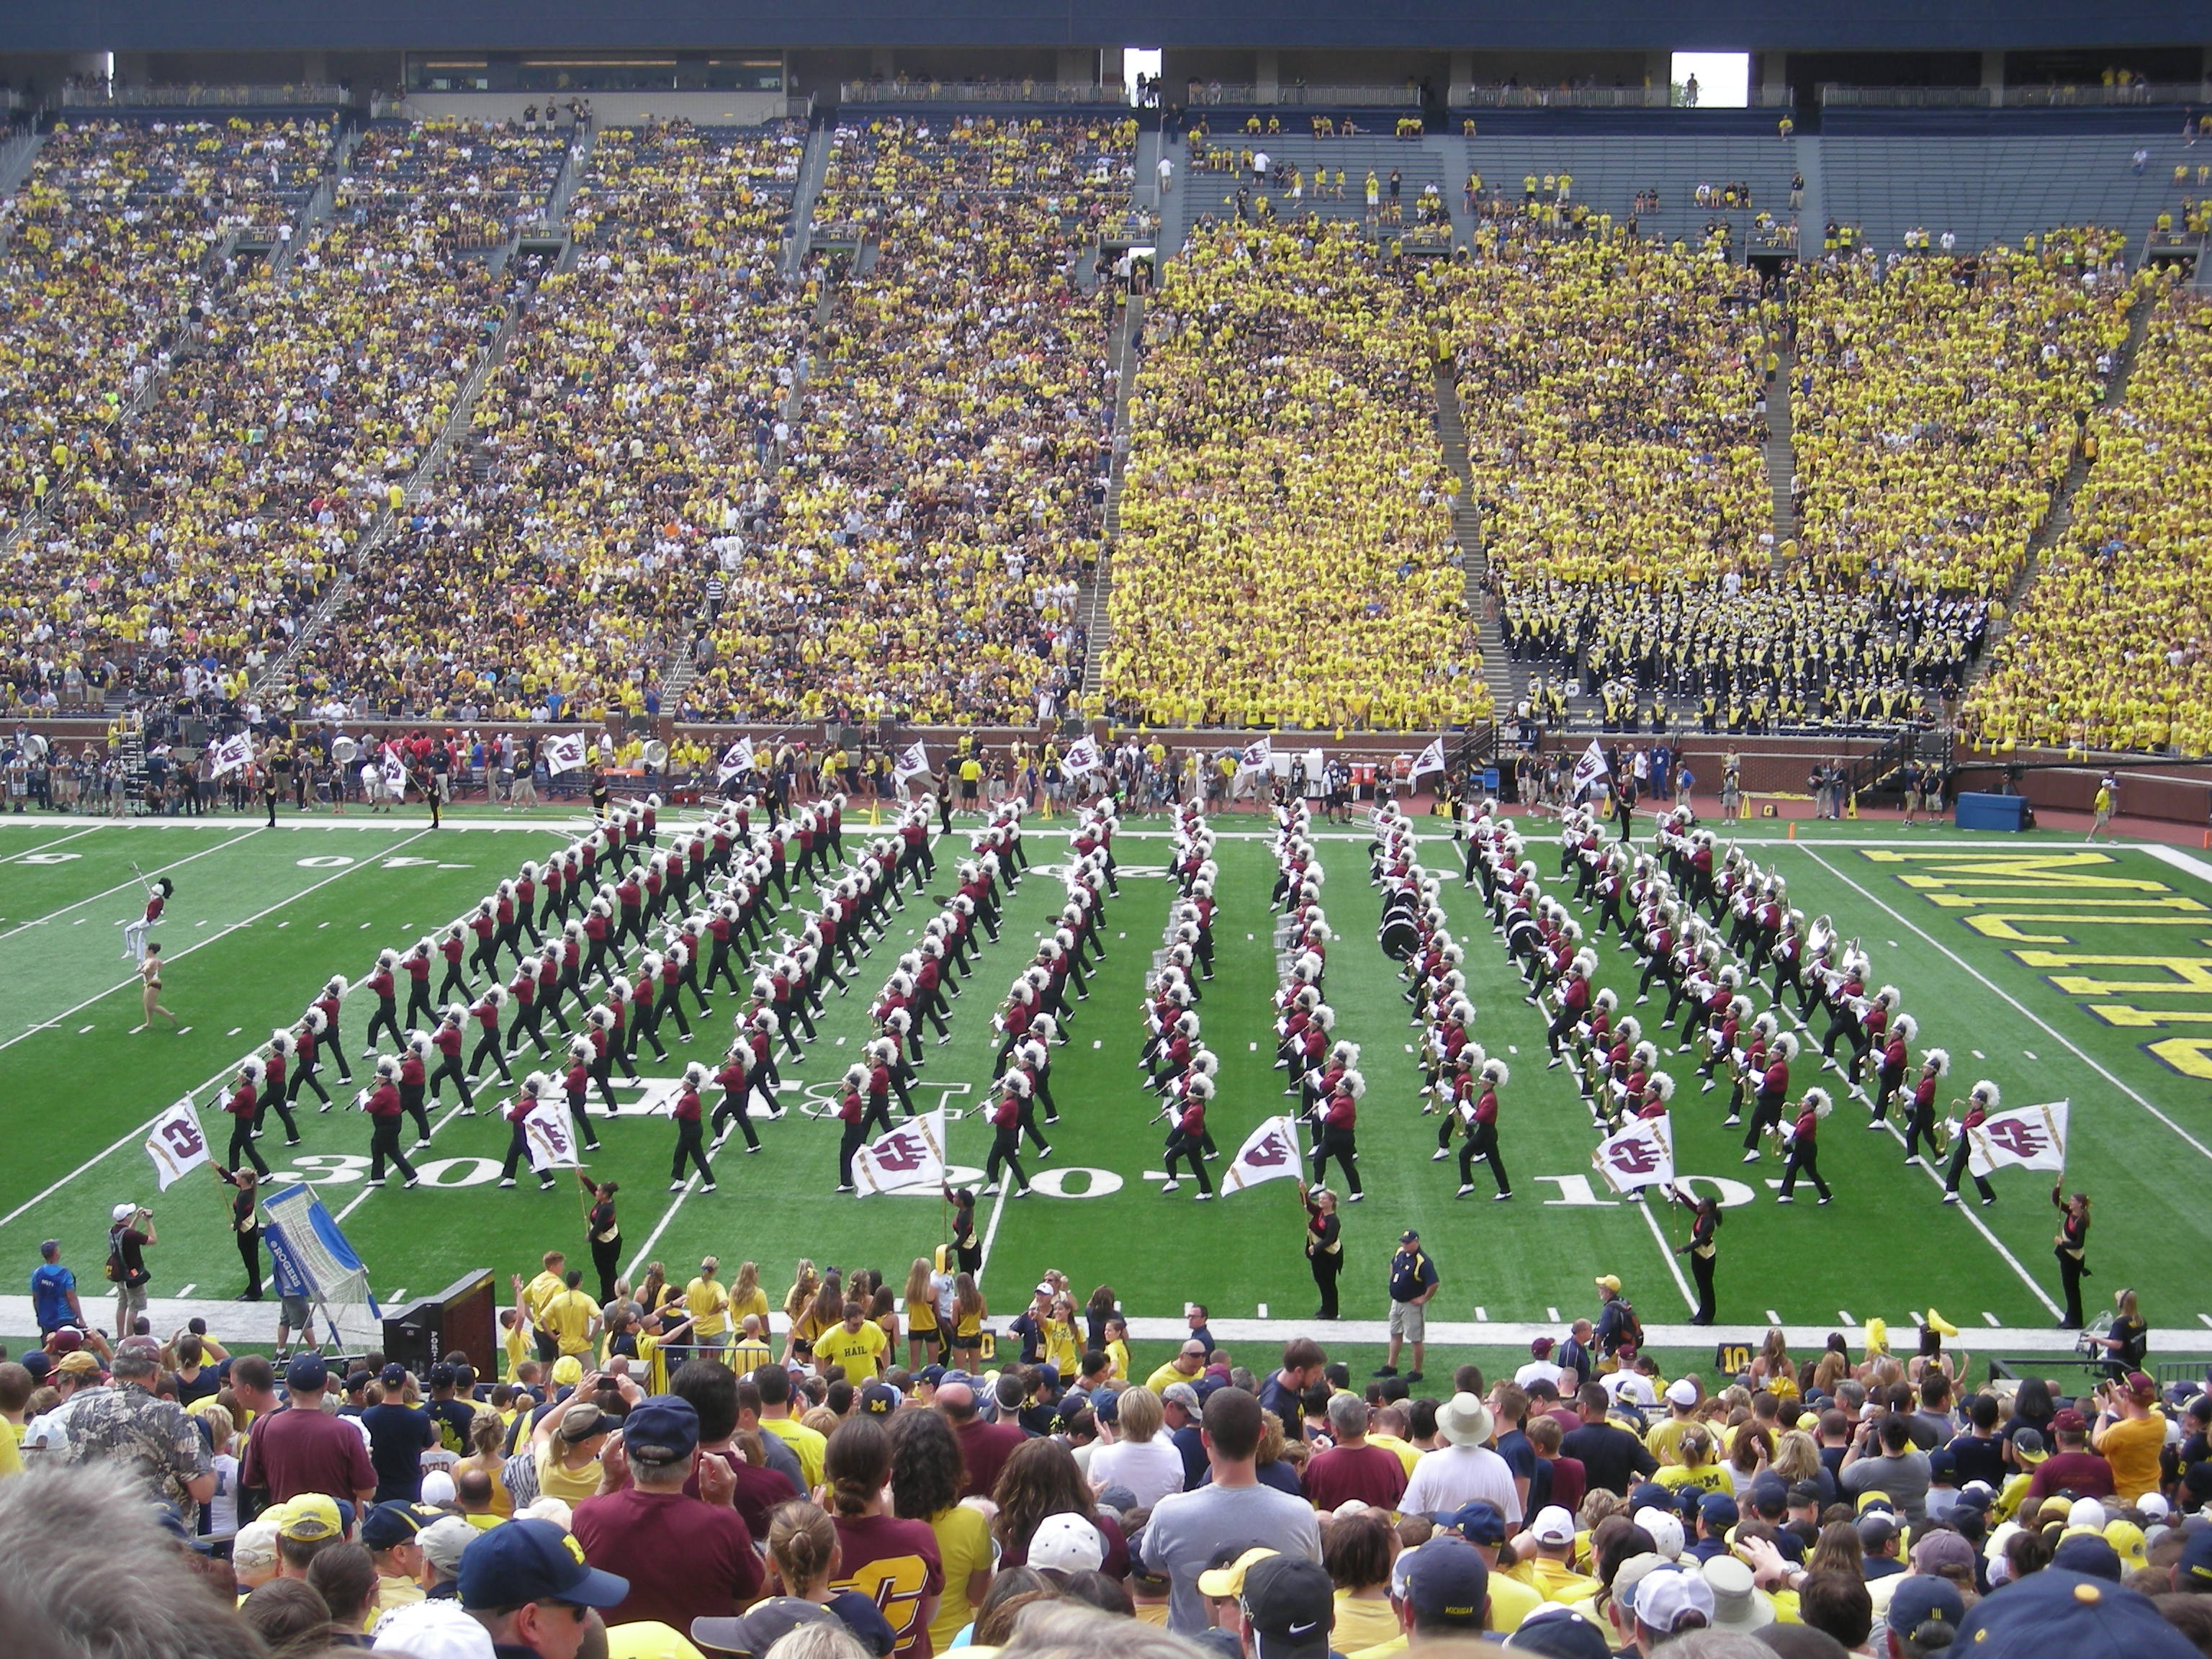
1399, 935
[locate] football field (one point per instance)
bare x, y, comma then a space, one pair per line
2057, 970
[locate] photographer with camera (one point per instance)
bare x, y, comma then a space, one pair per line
127, 1238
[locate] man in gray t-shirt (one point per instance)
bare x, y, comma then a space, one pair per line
1883, 1459
1190, 1531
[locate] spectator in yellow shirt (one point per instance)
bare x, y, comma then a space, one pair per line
709, 1304
2130, 1431
857, 1343
571, 1317
539, 1291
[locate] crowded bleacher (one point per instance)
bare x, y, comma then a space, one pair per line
2108, 650
1286, 553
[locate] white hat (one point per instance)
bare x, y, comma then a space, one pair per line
1067, 1543
123, 1212
438, 1488
1464, 1420
1552, 1525
1682, 1392
2086, 1512
255, 1546
433, 1630
1665, 1527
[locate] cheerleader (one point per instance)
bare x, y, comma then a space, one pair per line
1187, 1139
246, 1223
1482, 1135
1920, 1120
1804, 1155
134, 933
1701, 1248
688, 1144
382, 1104
1981, 1100
576, 1085
244, 1105
1338, 1137
535, 1087
382, 983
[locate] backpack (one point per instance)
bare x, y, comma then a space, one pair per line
1631, 1327
116, 1273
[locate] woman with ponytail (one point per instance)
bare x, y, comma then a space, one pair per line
894, 1562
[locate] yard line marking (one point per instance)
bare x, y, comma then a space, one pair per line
1844, 1314
202, 945
1551, 1314
367, 1191
81, 1029
2205, 1318
400, 1295
1990, 1319
122, 886
2030, 1053
44, 845
1772, 1317
1263, 1311
188, 1289
139, 1133
1666, 1254
1482, 1315
234, 1030
645, 1251
2049, 1029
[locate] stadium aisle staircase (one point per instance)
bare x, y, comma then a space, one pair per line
1609, 170
1503, 676
1781, 456
2060, 519
811, 171
1098, 583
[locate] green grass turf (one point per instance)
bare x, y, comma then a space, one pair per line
252, 931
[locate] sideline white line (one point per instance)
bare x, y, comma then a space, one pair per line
29, 852
221, 933
1666, 1254
123, 886
139, 1133
2056, 1035
2180, 860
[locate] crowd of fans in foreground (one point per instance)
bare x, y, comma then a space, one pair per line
611, 1495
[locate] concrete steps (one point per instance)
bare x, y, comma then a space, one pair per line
1781, 456
812, 170
1097, 586
1499, 672
2060, 519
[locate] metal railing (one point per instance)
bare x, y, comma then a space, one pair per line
2139, 93
176, 95
1666, 97
1296, 95
975, 91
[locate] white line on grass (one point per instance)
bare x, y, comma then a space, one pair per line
2043, 1024
1666, 1254
121, 886
202, 945
43, 846
139, 1133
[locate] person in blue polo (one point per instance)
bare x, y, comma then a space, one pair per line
528, 1584
1412, 1283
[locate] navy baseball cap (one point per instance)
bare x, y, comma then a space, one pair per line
443, 1376
880, 1400
393, 1376
931, 1375
1650, 1495
662, 1429
1922, 1597
306, 1371
397, 1522
523, 1561
762, 1626
2087, 1553
1288, 1603
1561, 1632
1769, 1496
2194, 1568
2057, 1612
1477, 1522
1447, 1583
1717, 1511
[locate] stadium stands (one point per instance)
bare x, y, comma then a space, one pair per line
2107, 650
1285, 552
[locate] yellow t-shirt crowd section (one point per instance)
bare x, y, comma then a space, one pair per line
1285, 552
2109, 650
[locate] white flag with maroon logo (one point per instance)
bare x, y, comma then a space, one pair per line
1270, 1153
1640, 1155
2025, 1138
912, 1155
176, 1144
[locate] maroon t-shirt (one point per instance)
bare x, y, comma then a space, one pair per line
684, 1559
1374, 1474
296, 1450
1570, 1483
896, 1566
984, 1448
759, 1489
